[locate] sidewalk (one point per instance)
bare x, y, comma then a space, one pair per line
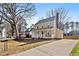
58, 48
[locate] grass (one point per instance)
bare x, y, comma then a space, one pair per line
71, 37
75, 51
6, 39
19, 46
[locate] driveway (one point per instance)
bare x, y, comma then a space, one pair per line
58, 48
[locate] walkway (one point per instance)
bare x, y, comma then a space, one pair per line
58, 48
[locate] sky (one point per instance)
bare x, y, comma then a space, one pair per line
43, 8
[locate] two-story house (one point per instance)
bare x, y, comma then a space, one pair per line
47, 28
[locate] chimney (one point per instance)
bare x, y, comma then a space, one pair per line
57, 20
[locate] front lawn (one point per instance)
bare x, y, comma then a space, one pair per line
75, 51
14, 46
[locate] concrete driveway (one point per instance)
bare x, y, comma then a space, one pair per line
58, 48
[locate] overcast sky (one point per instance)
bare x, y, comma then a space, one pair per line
43, 8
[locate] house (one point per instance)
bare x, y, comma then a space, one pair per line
21, 25
2, 31
6, 30
47, 28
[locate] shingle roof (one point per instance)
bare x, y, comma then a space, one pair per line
32, 29
45, 20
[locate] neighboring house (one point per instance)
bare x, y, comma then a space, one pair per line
47, 28
6, 30
28, 33
2, 31
21, 25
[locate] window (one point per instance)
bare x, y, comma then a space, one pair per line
37, 27
51, 25
42, 26
48, 26
42, 33
49, 34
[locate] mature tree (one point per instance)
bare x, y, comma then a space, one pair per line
66, 27
1, 22
72, 26
77, 27
50, 13
63, 16
21, 25
11, 11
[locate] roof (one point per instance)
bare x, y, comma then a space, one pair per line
32, 29
29, 29
45, 20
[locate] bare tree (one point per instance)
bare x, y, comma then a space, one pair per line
21, 25
11, 12
77, 27
66, 27
1, 22
72, 26
50, 13
63, 16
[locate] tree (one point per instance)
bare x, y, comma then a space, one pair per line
50, 13
21, 25
1, 22
72, 26
63, 16
77, 27
66, 27
11, 11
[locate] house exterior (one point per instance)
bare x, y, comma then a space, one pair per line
2, 32
21, 25
47, 28
6, 30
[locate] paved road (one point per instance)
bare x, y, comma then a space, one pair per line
58, 48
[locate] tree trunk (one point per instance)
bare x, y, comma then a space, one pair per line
76, 32
66, 32
73, 32
16, 32
12, 30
